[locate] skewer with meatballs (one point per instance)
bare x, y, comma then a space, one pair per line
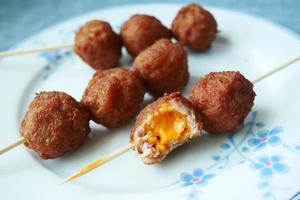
95, 43
56, 123
100, 47
174, 120
218, 103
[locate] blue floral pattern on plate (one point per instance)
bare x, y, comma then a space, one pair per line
265, 137
253, 137
199, 178
270, 165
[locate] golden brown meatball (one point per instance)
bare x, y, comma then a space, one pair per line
195, 27
163, 126
113, 96
140, 31
163, 66
98, 45
55, 124
224, 100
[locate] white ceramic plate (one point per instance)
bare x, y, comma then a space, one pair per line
259, 162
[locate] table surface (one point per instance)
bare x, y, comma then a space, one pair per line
20, 19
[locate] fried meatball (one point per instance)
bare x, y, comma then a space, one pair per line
140, 31
163, 66
98, 45
224, 100
55, 124
113, 96
163, 126
195, 27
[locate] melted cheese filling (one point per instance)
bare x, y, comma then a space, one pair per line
166, 126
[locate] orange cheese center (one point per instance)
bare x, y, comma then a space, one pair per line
167, 125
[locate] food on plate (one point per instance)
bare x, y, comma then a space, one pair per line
163, 66
98, 45
55, 124
140, 31
113, 96
224, 99
195, 27
164, 125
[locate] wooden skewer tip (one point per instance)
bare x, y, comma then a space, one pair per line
98, 163
277, 69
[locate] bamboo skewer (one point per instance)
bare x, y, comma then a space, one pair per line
14, 144
277, 69
33, 50
98, 162
129, 146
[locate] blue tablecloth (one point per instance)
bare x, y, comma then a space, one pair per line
20, 19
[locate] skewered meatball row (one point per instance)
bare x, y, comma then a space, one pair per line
56, 124
100, 47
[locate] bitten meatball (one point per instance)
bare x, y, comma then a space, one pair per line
163, 66
195, 27
224, 100
163, 126
113, 96
140, 31
55, 124
98, 45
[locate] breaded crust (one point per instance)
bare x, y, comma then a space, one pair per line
141, 31
113, 96
98, 45
55, 124
195, 27
224, 100
163, 66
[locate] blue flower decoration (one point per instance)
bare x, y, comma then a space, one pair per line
269, 165
51, 55
199, 178
265, 137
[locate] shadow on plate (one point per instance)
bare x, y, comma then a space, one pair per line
221, 44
